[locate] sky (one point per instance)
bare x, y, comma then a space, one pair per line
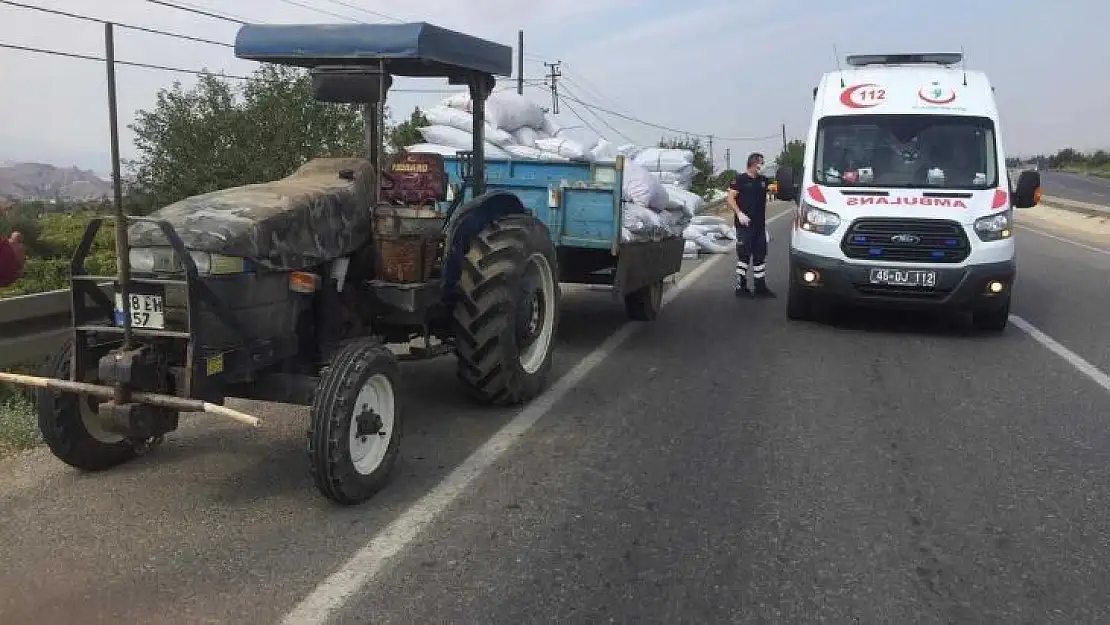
736, 70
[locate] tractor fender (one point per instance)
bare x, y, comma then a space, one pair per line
467, 221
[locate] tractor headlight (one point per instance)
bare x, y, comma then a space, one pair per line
163, 260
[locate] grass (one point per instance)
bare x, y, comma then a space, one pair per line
1100, 171
18, 430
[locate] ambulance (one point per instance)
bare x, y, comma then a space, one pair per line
904, 200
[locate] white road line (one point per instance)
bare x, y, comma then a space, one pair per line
1055, 347
333, 593
1091, 248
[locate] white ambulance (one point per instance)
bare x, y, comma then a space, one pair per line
904, 200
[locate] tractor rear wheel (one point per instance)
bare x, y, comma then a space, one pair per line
507, 311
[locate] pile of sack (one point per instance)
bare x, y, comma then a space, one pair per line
657, 202
708, 234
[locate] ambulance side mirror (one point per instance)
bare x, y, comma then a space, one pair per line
1028, 191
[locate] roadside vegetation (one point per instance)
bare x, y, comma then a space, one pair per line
1095, 163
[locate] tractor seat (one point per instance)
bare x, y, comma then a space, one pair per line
414, 179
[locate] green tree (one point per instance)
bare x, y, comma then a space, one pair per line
703, 181
725, 178
407, 132
216, 135
792, 156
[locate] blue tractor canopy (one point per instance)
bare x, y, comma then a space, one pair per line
418, 49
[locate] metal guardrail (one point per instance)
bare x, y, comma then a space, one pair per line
33, 326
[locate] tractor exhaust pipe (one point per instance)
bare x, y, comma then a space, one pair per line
154, 399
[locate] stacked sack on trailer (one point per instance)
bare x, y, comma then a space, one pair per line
657, 202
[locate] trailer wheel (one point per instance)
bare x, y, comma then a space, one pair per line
355, 430
70, 425
507, 312
645, 303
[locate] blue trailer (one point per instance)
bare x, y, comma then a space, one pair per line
581, 206
291, 290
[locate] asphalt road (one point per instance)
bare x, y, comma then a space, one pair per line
1077, 187
721, 465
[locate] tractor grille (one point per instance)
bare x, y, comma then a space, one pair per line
906, 240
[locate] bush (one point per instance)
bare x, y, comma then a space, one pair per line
50, 241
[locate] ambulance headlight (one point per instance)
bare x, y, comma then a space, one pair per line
817, 220
995, 227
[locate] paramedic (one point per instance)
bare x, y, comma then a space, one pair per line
747, 197
11, 259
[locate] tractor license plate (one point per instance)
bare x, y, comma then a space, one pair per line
921, 278
146, 311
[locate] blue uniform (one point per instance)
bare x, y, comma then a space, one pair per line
751, 240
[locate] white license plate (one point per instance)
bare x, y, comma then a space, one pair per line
922, 278
146, 311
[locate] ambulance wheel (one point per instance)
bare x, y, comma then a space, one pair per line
799, 304
70, 424
992, 320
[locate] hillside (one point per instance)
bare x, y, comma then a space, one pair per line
39, 181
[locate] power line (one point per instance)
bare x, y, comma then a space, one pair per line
666, 128
87, 18
168, 68
367, 11
309, 7
196, 11
600, 119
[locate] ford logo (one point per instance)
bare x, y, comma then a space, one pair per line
906, 238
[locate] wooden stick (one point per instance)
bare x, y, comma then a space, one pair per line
154, 399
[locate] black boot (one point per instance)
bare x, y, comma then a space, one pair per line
742, 287
761, 289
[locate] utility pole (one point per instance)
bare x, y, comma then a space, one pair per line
728, 158
520, 62
712, 167
784, 137
553, 77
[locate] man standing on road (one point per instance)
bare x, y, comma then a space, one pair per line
747, 197
11, 259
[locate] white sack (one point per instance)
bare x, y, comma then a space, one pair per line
629, 151
713, 245
431, 148
461, 120
458, 139
525, 152
690, 203
640, 219
514, 111
565, 147
683, 177
641, 188
603, 152
549, 127
581, 136
525, 136
507, 110
665, 159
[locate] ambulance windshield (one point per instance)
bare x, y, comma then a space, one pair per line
906, 151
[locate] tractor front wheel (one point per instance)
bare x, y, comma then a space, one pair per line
70, 423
